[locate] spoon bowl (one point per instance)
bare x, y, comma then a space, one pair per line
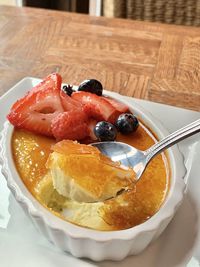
126, 154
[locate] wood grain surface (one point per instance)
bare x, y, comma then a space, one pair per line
152, 61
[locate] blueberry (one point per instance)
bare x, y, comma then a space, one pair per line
105, 131
92, 86
68, 89
127, 123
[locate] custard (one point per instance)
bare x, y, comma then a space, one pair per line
30, 153
81, 173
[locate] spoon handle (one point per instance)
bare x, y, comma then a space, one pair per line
172, 139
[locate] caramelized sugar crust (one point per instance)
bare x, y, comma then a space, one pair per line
95, 173
30, 153
125, 211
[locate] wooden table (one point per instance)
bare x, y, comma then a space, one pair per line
145, 60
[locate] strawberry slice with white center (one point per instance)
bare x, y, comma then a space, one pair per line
91, 125
121, 107
69, 103
36, 110
96, 106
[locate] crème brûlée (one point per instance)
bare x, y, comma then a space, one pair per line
76, 185
81, 173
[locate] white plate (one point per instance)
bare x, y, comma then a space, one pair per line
21, 245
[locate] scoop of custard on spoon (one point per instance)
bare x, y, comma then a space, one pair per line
82, 173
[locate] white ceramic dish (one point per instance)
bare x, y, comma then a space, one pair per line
82, 242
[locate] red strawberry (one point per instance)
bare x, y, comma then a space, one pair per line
96, 106
69, 103
70, 125
91, 125
53, 80
36, 110
122, 108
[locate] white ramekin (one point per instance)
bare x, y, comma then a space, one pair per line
92, 244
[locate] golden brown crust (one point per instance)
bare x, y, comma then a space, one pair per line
140, 203
73, 147
91, 170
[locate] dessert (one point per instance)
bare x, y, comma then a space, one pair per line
73, 117
81, 173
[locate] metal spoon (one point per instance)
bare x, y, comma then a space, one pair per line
137, 159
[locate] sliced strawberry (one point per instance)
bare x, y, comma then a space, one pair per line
91, 124
122, 108
35, 111
69, 103
70, 125
53, 81
96, 106
93, 112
